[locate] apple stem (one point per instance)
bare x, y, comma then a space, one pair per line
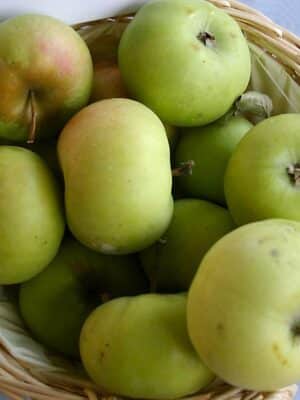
32, 131
294, 173
206, 38
185, 169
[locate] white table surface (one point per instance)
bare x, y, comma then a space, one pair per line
285, 13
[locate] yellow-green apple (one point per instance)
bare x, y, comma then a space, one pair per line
45, 76
139, 347
243, 306
185, 59
263, 174
115, 159
31, 215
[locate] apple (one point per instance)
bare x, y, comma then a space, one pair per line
55, 303
210, 148
139, 347
262, 178
186, 60
32, 219
115, 159
243, 306
45, 76
107, 82
196, 225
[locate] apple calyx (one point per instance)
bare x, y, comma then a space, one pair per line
293, 171
33, 114
185, 169
208, 39
255, 104
295, 329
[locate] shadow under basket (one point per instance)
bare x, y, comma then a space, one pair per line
27, 370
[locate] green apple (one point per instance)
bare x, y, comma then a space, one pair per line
210, 147
262, 178
139, 347
107, 82
196, 225
185, 59
45, 76
115, 159
243, 306
55, 303
31, 215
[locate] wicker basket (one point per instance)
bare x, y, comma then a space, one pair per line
29, 371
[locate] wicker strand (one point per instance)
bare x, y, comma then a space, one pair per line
90, 394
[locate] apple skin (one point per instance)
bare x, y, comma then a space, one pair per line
32, 220
166, 66
196, 225
210, 147
45, 58
257, 184
55, 303
243, 306
107, 83
139, 347
115, 159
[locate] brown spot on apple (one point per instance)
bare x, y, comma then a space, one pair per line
220, 327
195, 46
274, 253
278, 354
189, 10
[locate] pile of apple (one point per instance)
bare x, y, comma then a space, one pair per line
157, 297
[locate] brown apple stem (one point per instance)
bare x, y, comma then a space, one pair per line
208, 39
32, 129
293, 171
185, 169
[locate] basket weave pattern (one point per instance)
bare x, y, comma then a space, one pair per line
27, 376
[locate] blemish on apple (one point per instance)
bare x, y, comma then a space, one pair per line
280, 357
190, 11
195, 46
274, 253
220, 327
